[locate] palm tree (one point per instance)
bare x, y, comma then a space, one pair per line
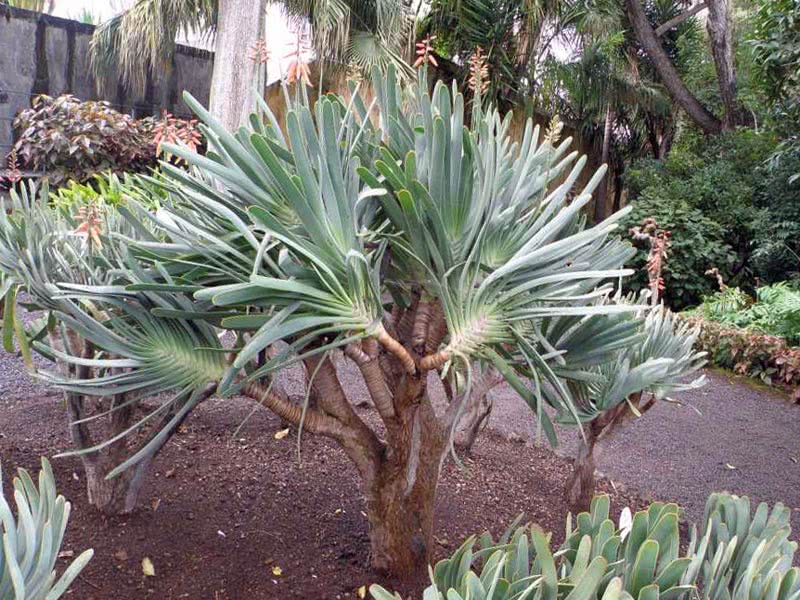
345, 32
384, 228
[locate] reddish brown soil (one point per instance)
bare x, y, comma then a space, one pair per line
219, 514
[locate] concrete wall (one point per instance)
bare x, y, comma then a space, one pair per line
42, 54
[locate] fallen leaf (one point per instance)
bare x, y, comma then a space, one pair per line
277, 571
147, 567
362, 592
730, 466
281, 434
170, 474
221, 533
793, 459
121, 554
66, 554
338, 511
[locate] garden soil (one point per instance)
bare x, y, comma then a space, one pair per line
248, 517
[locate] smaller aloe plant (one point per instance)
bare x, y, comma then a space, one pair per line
32, 541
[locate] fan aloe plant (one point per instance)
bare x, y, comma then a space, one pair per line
47, 252
381, 225
627, 383
32, 541
737, 557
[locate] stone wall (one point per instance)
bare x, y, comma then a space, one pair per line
42, 54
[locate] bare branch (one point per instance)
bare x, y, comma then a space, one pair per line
434, 361
397, 349
315, 421
678, 19
374, 378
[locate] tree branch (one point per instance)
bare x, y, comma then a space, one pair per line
666, 70
434, 361
374, 378
315, 421
678, 19
397, 349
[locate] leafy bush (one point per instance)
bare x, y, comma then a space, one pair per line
108, 189
31, 543
777, 245
70, 139
706, 193
697, 244
738, 556
775, 311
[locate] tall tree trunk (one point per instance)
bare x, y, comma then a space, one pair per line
239, 25
667, 72
720, 33
619, 186
601, 198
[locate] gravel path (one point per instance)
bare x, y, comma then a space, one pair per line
745, 440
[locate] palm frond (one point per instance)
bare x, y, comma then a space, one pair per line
142, 38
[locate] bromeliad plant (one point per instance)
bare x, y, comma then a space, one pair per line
31, 542
738, 556
385, 228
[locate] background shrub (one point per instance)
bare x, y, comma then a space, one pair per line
776, 256
775, 311
70, 139
713, 195
697, 244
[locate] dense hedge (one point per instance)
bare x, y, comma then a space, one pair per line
746, 352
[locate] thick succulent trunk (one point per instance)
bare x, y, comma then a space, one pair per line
401, 494
117, 496
401, 519
239, 25
581, 482
666, 70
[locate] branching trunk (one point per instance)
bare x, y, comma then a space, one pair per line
477, 411
667, 72
119, 495
582, 482
239, 25
401, 499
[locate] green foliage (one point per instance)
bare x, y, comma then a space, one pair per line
707, 194
776, 39
108, 189
738, 556
697, 244
32, 541
69, 139
777, 245
775, 311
